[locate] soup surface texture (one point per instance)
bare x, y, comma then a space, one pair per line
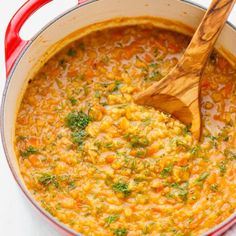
105, 166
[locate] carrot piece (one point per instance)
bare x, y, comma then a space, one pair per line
157, 210
89, 74
147, 58
133, 152
34, 160
217, 117
33, 141
110, 159
173, 48
222, 63
206, 84
128, 53
228, 88
151, 150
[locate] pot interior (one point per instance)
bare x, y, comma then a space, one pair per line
181, 16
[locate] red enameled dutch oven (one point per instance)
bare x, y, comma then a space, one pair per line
23, 58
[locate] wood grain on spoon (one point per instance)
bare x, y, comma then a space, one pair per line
178, 92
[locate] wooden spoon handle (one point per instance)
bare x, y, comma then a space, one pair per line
198, 51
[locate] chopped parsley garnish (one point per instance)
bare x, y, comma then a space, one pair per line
213, 140
72, 185
183, 194
73, 101
203, 177
147, 121
169, 196
182, 190
77, 120
214, 187
167, 171
179, 143
121, 187
195, 150
29, 151
78, 137
222, 168
186, 130
110, 219
155, 76
141, 153
116, 85
97, 94
71, 52
47, 179
230, 154
120, 232
153, 65
152, 73
137, 141
174, 185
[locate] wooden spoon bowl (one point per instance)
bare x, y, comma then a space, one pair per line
178, 93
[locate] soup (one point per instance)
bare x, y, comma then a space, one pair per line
103, 165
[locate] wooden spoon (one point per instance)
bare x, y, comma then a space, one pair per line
178, 92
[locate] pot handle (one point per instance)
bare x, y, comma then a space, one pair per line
13, 42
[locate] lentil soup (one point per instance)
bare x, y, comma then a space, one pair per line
103, 165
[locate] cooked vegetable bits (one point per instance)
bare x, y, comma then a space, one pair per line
105, 166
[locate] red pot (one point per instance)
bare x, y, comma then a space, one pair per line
23, 58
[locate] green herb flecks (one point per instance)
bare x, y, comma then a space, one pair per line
223, 168
73, 101
155, 76
29, 151
186, 130
195, 150
179, 143
97, 94
110, 219
167, 171
77, 120
78, 137
202, 177
183, 194
72, 185
136, 141
181, 190
121, 187
230, 154
152, 73
120, 232
214, 187
213, 140
116, 85
48, 179
72, 52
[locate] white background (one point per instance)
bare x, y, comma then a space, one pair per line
17, 216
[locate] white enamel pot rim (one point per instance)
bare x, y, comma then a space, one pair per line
217, 230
